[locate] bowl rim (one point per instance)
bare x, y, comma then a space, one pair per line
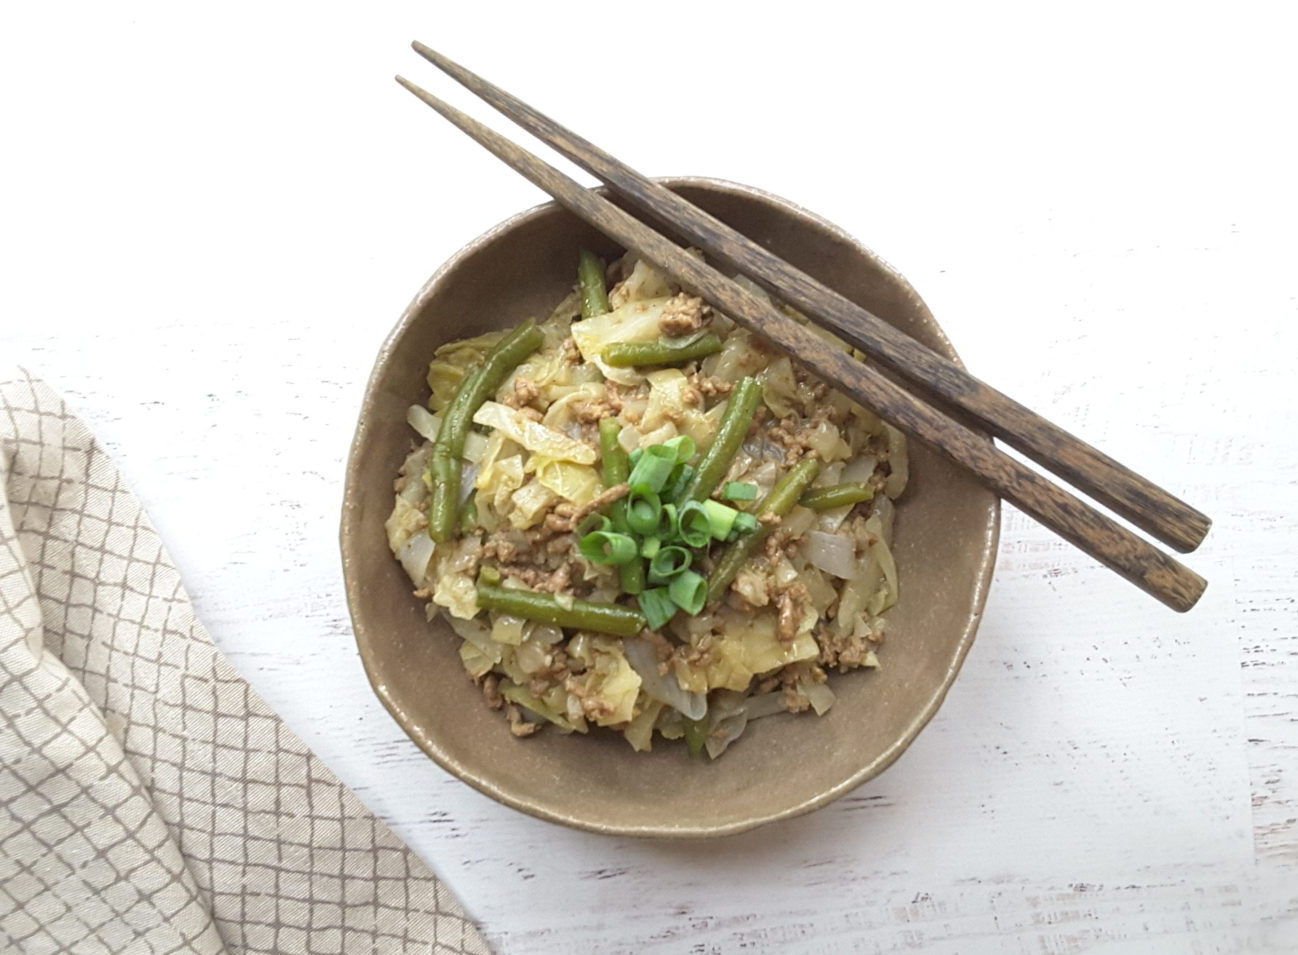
349, 526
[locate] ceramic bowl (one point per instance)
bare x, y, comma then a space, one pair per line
785, 765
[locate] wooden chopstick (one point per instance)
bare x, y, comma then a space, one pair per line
1130, 495
1103, 538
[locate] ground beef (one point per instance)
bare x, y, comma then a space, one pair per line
844, 652
491, 691
517, 725
682, 315
524, 393
596, 409
570, 520
792, 603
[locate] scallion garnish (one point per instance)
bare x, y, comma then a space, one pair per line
657, 606
643, 510
695, 525
739, 491
667, 563
721, 517
608, 547
689, 591
654, 468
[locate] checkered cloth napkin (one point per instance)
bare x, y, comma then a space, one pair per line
149, 800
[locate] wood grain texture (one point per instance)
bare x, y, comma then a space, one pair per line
1130, 495
1117, 548
1105, 776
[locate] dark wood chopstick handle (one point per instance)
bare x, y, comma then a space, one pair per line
1104, 539
1090, 470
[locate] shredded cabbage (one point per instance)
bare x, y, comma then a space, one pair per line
644, 282
530, 502
635, 321
452, 362
578, 483
532, 435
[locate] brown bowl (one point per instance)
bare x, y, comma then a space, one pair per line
946, 532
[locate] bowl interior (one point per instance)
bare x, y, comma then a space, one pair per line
945, 548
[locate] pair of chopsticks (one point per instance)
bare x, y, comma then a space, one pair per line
1135, 498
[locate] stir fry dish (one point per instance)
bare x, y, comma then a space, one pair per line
638, 516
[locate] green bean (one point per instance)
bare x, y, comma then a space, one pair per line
616, 469
478, 385
590, 279
444, 465
469, 515
837, 495
510, 352
602, 618
779, 502
444, 476
696, 735
732, 430
662, 352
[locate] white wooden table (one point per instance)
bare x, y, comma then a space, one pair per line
212, 215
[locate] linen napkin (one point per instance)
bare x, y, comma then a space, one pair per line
149, 800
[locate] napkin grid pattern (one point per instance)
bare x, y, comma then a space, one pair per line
149, 800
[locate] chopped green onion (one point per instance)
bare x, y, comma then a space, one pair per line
657, 607
650, 547
607, 547
689, 591
654, 467
643, 510
740, 491
489, 575
675, 488
682, 446
745, 523
594, 522
695, 525
721, 517
667, 563
635, 456
668, 523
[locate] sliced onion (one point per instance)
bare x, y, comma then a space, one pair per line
530, 656
423, 421
832, 553
885, 511
629, 438
798, 521
640, 654
544, 633
468, 479
415, 556
477, 633
859, 469
819, 695
507, 628
887, 596
765, 704
726, 732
